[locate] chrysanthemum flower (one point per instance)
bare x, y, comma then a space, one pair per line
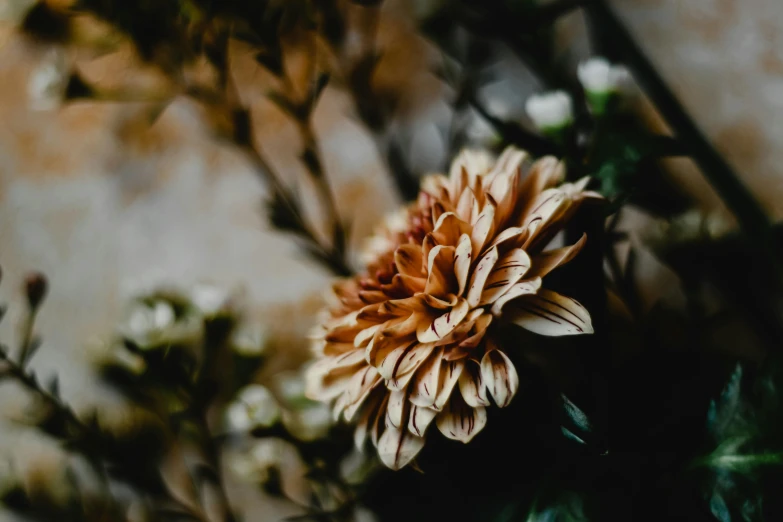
411, 341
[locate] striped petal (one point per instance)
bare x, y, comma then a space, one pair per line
483, 228
507, 271
472, 387
527, 287
420, 419
462, 260
459, 421
397, 447
441, 280
441, 326
424, 390
549, 313
449, 378
480, 276
500, 376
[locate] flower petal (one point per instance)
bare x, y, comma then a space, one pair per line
420, 419
500, 376
472, 386
409, 260
449, 376
397, 447
431, 331
480, 276
507, 271
424, 390
396, 408
448, 229
462, 260
549, 313
526, 287
483, 227
545, 262
441, 280
459, 421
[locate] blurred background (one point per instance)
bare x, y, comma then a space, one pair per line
108, 205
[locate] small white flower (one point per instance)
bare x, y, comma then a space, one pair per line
147, 324
599, 76
550, 110
211, 300
270, 455
249, 341
254, 407
310, 423
47, 82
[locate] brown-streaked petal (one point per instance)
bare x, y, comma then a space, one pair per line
526, 287
483, 227
462, 260
508, 270
458, 421
424, 389
404, 360
437, 303
427, 245
401, 327
472, 386
371, 418
545, 262
396, 408
420, 419
381, 346
450, 374
431, 331
500, 376
514, 236
449, 228
328, 378
480, 327
409, 260
441, 280
458, 334
358, 390
363, 338
397, 447
549, 313
480, 275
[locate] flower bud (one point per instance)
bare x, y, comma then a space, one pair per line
149, 325
212, 301
249, 341
601, 81
48, 82
551, 112
308, 424
35, 287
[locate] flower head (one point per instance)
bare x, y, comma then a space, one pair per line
550, 111
48, 81
411, 341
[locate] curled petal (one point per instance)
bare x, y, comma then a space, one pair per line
483, 227
441, 326
397, 447
396, 408
403, 360
480, 276
462, 260
424, 390
500, 376
449, 378
549, 313
441, 280
472, 386
460, 421
530, 286
449, 228
420, 419
409, 260
507, 271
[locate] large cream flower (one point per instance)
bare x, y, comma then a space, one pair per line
410, 341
